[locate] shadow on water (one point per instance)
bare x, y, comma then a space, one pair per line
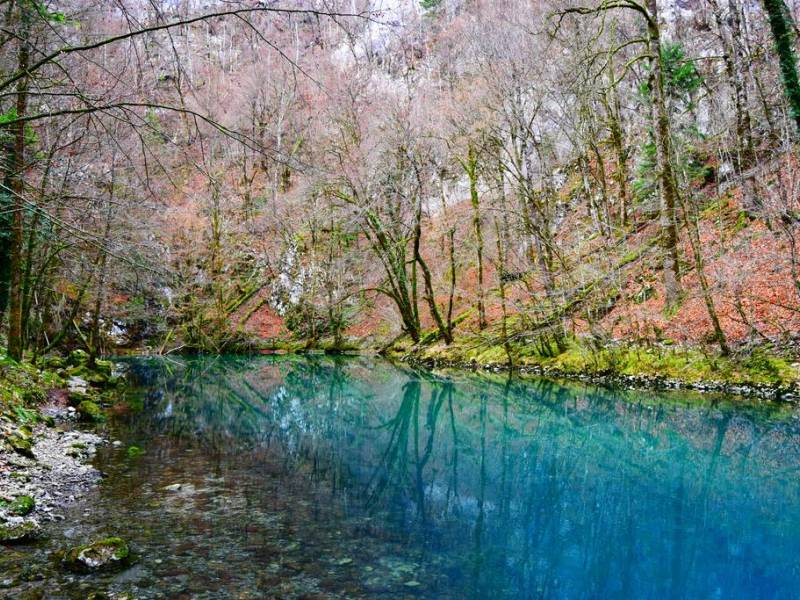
330, 477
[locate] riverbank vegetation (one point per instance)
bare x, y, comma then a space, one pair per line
581, 185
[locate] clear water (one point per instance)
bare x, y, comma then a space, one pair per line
354, 478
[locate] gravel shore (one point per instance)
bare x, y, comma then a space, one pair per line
57, 473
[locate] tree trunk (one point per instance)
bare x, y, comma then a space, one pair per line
613, 105
471, 168
730, 34
94, 334
693, 232
781, 25
15, 334
666, 176
427, 280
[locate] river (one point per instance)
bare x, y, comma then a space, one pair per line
321, 477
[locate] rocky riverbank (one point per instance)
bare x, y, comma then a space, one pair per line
45, 449
36, 486
764, 391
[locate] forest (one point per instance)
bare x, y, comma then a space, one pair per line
399, 299
481, 181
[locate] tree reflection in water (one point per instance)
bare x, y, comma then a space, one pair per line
519, 488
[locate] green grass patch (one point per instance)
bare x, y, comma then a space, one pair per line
579, 356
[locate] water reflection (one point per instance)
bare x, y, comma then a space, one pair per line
523, 489
333, 478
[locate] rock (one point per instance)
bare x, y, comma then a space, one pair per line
78, 358
76, 397
77, 384
79, 372
21, 445
89, 412
17, 529
22, 505
104, 367
97, 379
104, 554
54, 362
134, 452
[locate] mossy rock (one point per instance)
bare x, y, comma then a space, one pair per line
134, 452
80, 371
96, 379
75, 398
108, 553
78, 358
89, 412
104, 367
17, 531
22, 505
21, 445
54, 363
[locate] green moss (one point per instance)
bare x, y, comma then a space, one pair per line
581, 356
88, 411
104, 367
134, 452
21, 445
742, 221
22, 505
18, 532
102, 554
52, 362
78, 358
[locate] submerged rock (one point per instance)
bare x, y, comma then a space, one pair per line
17, 529
134, 452
104, 554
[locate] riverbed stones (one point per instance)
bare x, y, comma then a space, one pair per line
105, 554
15, 530
53, 479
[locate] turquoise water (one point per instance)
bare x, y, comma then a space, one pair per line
355, 478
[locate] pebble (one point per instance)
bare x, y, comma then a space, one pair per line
53, 478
